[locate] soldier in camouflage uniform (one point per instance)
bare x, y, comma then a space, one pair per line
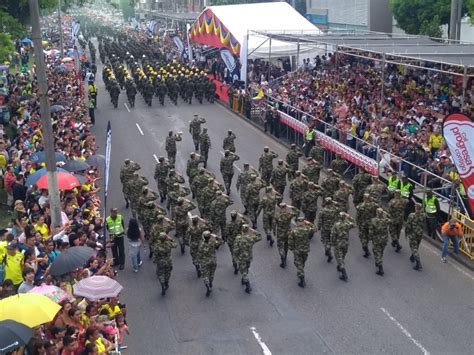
170, 145
309, 202
195, 129
359, 183
317, 152
218, 212
243, 181
340, 241
228, 143
298, 243
145, 214
136, 184
365, 211
227, 168
265, 164
312, 170
181, 210
326, 220
283, 227
162, 169
194, 237
204, 145
298, 187
293, 159
253, 198
378, 231
278, 178
414, 230
243, 250
126, 175
267, 205
159, 224
339, 165
396, 211
162, 258
207, 196
173, 178
376, 189
207, 258
199, 182
232, 229
330, 184
341, 196
192, 170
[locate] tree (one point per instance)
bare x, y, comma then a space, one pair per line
470, 9
11, 25
422, 16
6, 46
20, 10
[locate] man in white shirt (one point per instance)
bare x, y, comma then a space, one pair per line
29, 279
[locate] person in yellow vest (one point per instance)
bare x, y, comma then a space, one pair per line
14, 263
116, 227
92, 89
406, 190
393, 184
432, 209
309, 139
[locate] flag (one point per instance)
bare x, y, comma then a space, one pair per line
458, 131
190, 49
243, 60
108, 149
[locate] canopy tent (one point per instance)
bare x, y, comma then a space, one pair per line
229, 27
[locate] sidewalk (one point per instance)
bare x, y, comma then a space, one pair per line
461, 258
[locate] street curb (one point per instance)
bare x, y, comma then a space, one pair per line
463, 260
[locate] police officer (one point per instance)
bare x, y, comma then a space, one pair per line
432, 208
116, 227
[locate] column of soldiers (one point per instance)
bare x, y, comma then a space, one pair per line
261, 191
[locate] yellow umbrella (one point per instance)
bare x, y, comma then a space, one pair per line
31, 309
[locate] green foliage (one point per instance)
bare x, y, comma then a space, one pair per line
20, 10
127, 7
6, 46
412, 15
431, 28
11, 25
470, 9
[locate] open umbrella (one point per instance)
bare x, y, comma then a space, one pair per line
71, 259
40, 157
4, 67
13, 335
57, 108
76, 165
97, 287
33, 178
26, 41
96, 160
66, 181
25, 97
67, 59
82, 179
30, 309
54, 293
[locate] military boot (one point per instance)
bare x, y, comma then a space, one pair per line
236, 269
380, 270
270, 239
283, 262
242, 282
366, 251
398, 246
198, 271
247, 287
394, 243
163, 289
183, 246
208, 290
167, 285
412, 258
246, 212
127, 204
343, 276
339, 268
151, 254
329, 255
302, 282
418, 264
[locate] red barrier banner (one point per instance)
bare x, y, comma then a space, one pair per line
458, 131
348, 153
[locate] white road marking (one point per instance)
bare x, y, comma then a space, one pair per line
139, 129
235, 165
126, 106
156, 158
405, 332
437, 253
265, 349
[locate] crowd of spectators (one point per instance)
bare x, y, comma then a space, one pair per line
29, 244
403, 115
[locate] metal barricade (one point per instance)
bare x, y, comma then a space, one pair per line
466, 243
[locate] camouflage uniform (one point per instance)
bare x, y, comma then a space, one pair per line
242, 184
298, 243
365, 211
207, 258
243, 249
317, 152
359, 183
227, 169
136, 187
192, 170
326, 220
253, 198
341, 196
396, 211
162, 169
292, 159
339, 165
267, 205
218, 212
181, 219
283, 228
278, 178
195, 130
340, 241
265, 164
162, 257
298, 187
204, 145
330, 185
309, 202
232, 229
378, 231
376, 189
414, 230
145, 214
312, 170
228, 143
194, 237
170, 146
126, 175
206, 197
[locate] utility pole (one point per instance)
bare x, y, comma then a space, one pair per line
455, 20
60, 29
45, 112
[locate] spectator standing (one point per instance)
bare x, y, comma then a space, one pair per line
135, 240
116, 228
451, 231
28, 283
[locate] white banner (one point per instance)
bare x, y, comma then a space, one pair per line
243, 59
108, 150
228, 59
179, 44
190, 49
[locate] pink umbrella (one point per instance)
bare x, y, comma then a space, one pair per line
54, 293
67, 59
97, 287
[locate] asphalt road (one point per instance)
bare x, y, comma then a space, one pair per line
404, 312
